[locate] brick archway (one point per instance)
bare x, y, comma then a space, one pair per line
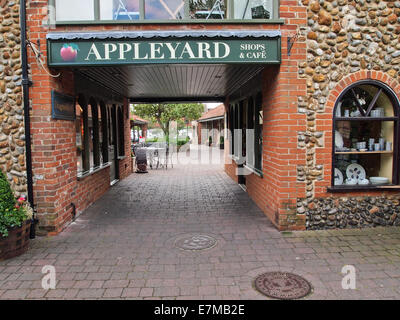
357, 76
325, 121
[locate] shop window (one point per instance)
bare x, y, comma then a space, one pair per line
74, 10
231, 127
237, 132
91, 135
163, 10
258, 132
253, 9
104, 133
211, 9
365, 139
119, 9
79, 132
94, 135
121, 132
254, 133
250, 133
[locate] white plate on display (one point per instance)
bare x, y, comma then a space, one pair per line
338, 177
355, 171
379, 180
338, 140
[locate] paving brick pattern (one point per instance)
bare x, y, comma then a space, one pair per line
123, 247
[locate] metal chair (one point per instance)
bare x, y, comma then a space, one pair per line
165, 156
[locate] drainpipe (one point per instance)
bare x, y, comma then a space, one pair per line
25, 86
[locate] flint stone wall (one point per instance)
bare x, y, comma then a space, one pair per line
343, 37
12, 133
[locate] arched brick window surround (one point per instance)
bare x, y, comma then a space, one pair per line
379, 79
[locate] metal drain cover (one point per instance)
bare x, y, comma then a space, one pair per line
196, 242
282, 285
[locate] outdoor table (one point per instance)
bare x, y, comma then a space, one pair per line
151, 152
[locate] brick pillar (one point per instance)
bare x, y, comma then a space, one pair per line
199, 127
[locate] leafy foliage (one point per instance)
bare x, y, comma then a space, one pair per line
7, 199
164, 113
12, 213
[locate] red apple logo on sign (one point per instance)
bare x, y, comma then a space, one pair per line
69, 52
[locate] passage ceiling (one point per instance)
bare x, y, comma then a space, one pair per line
173, 82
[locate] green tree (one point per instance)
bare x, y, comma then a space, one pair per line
164, 114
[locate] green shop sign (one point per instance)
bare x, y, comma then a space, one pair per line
125, 52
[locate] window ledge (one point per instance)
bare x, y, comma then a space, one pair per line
339, 189
254, 171
93, 171
233, 157
121, 157
177, 22
238, 160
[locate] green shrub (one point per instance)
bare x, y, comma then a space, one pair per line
7, 198
152, 140
12, 213
182, 142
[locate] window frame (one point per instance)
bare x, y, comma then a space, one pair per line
258, 132
94, 108
100, 153
395, 185
231, 128
236, 112
275, 19
120, 131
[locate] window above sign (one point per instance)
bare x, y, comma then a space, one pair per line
156, 11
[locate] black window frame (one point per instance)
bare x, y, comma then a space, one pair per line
254, 107
100, 150
120, 131
258, 132
231, 128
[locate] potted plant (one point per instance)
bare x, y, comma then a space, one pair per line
209, 141
221, 143
15, 222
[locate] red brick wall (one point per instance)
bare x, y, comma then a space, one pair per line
277, 192
125, 165
54, 142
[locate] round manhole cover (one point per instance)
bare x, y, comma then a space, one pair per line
282, 285
196, 242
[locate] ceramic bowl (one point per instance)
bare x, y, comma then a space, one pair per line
363, 182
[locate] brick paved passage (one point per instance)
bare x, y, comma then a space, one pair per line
124, 247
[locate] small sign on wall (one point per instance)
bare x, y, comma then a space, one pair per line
63, 106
